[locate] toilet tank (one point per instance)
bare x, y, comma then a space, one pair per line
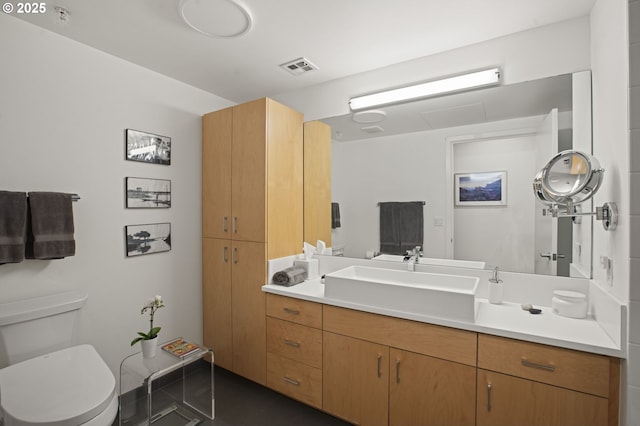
33, 327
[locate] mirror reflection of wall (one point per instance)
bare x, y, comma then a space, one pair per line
419, 165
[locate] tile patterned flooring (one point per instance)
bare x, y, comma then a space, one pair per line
241, 402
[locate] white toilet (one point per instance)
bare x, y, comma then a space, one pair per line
44, 379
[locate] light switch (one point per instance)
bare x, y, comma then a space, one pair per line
438, 221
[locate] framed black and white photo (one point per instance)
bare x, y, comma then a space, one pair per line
147, 147
481, 189
144, 193
147, 239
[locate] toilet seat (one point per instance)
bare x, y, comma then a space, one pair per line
67, 387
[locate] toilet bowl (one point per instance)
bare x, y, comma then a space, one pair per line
45, 378
69, 387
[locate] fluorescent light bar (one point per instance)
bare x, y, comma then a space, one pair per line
459, 83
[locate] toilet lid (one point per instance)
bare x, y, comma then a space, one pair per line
68, 386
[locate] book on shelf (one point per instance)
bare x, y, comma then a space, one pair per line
180, 347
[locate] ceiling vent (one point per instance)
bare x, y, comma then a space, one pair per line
299, 66
372, 129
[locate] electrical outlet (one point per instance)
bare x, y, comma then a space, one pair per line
438, 221
606, 263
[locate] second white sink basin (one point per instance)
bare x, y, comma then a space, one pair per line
434, 261
435, 295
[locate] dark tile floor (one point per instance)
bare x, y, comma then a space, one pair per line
238, 402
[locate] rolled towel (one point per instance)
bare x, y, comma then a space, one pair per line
290, 276
13, 219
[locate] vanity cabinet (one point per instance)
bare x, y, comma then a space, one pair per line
294, 348
533, 384
384, 370
252, 210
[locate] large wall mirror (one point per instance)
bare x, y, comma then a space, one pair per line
427, 150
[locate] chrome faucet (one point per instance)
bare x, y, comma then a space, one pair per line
413, 257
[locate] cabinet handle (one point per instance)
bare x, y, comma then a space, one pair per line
547, 367
291, 311
291, 343
489, 397
379, 365
224, 224
225, 254
397, 371
234, 255
234, 225
291, 381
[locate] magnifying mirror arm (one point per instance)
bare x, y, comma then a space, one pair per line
608, 213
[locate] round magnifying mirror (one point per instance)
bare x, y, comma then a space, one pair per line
571, 176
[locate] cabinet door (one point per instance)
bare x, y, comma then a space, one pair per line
429, 391
508, 400
216, 174
248, 310
216, 299
355, 379
248, 172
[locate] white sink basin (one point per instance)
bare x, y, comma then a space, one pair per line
435, 295
434, 261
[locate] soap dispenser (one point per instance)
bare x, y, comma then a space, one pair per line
495, 288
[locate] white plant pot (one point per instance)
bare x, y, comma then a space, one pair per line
149, 347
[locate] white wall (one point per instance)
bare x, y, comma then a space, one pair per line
64, 108
499, 235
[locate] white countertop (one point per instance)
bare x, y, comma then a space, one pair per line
506, 320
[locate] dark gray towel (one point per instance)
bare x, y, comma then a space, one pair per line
13, 222
290, 276
51, 226
335, 215
401, 226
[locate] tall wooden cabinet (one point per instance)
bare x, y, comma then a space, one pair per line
252, 210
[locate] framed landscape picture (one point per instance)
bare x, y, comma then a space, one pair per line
147, 147
144, 193
481, 189
147, 239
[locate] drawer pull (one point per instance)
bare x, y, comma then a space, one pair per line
528, 363
379, 365
291, 311
291, 343
291, 381
489, 397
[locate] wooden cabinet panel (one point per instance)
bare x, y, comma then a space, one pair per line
295, 310
248, 171
216, 299
355, 379
429, 391
441, 342
317, 182
567, 368
216, 173
295, 379
507, 400
248, 310
294, 341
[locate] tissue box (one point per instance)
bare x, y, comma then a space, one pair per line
309, 265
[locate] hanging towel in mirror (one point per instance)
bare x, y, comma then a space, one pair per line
335, 215
13, 220
50, 230
401, 226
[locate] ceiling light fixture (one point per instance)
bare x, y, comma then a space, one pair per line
216, 18
474, 80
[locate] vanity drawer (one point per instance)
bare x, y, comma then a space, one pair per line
294, 341
294, 379
295, 310
567, 368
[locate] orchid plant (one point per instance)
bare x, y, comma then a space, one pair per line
152, 306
